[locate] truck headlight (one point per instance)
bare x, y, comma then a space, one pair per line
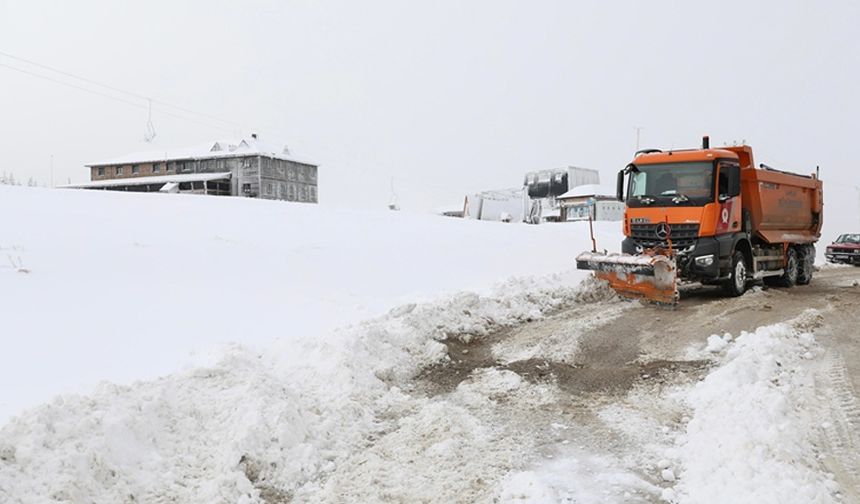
829, 250
705, 260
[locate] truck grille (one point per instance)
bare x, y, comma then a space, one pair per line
682, 235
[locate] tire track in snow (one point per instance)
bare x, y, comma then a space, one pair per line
842, 449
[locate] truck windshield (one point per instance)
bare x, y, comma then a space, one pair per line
691, 183
848, 238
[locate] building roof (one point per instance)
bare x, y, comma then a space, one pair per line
215, 149
164, 179
588, 190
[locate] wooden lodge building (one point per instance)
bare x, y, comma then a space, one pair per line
248, 168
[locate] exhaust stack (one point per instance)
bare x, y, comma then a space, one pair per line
706, 142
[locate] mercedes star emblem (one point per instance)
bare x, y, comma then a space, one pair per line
662, 230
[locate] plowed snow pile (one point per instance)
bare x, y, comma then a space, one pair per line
247, 426
752, 433
749, 432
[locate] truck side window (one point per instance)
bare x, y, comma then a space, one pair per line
723, 182
729, 181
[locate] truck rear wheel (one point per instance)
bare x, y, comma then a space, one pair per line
736, 285
789, 276
805, 264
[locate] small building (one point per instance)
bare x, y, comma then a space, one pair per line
590, 200
503, 205
248, 167
544, 187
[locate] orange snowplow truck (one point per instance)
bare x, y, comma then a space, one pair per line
709, 216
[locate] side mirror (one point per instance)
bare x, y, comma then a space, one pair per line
619, 185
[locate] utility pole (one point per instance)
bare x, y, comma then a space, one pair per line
857, 188
638, 131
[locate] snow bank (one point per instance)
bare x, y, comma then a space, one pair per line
584, 478
253, 427
750, 437
122, 286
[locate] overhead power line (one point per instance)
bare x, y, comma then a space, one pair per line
147, 100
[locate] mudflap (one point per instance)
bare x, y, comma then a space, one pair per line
646, 276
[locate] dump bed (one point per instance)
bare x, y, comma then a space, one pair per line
783, 207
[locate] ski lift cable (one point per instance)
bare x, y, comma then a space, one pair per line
116, 98
114, 88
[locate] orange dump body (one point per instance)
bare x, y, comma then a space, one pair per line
783, 207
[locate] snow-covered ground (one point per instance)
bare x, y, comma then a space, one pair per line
308, 326
109, 286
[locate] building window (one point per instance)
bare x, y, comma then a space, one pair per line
313, 190
246, 189
269, 189
156, 168
118, 170
135, 169
101, 171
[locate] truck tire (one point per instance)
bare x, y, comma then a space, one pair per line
805, 264
789, 276
736, 285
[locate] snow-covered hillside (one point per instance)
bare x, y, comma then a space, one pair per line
111, 286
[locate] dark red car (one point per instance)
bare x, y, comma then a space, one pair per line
846, 249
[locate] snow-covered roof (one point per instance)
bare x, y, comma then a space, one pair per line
215, 149
164, 179
588, 190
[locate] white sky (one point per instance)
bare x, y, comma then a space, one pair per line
448, 97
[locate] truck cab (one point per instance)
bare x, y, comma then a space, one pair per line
687, 203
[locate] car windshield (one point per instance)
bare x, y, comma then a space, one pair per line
694, 180
849, 238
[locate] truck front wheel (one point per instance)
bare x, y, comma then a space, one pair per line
736, 284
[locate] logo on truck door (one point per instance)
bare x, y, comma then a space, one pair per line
727, 211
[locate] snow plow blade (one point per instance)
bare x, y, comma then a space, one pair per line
651, 277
